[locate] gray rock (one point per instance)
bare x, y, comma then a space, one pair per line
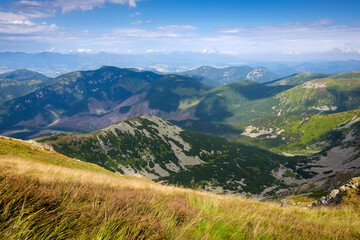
334, 193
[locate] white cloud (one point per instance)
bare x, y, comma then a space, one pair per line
290, 38
350, 50
229, 30
39, 8
140, 33
137, 22
81, 50
155, 50
12, 23
207, 51
135, 14
14, 18
176, 28
169, 31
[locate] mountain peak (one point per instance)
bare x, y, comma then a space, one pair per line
23, 74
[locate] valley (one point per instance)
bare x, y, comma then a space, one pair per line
277, 138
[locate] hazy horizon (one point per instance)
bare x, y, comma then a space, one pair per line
253, 30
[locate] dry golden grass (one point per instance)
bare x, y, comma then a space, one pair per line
40, 200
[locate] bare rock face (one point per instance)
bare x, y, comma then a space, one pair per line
336, 195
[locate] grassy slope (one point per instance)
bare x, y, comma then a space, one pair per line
296, 79
238, 102
172, 91
12, 148
300, 132
279, 104
40, 200
18, 83
339, 91
241, 102
11, 88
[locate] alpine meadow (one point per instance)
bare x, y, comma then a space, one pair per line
163, 119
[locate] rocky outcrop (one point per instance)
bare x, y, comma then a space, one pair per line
336, 195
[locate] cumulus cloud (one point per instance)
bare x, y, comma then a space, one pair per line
21, 19
12, 23
176, 28
140, 33
65, 6
135, 14
81, 50
350, 50
169, 31
291, 38
138, 22
18, 24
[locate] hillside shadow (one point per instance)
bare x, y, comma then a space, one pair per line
214, 108
259, 91
219, 129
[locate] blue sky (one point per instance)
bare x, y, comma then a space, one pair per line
246, 28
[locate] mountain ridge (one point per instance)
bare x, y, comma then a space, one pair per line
22, 74
219, 76
21, 82
161, 151
90, 100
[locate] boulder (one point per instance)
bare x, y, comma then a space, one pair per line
336, 195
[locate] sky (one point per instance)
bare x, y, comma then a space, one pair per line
287, 29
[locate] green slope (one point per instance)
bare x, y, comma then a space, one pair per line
174, 92
21, 82
301, 134
163, 152
237, 102
225, 110
297, 79
243, 101
33, 151
336, 93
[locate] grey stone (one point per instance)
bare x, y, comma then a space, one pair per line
334, 193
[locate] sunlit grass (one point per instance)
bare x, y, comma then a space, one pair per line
40, 200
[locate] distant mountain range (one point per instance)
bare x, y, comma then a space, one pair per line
90, 100
53, 64
219, 76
